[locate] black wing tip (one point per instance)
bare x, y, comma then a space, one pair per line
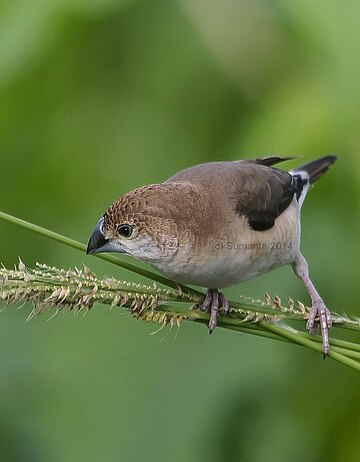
272, 160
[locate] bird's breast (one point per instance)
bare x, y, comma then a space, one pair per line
235, 253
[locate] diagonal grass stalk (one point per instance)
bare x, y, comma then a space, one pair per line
51, 288
109, 258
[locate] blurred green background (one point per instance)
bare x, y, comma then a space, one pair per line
100, 96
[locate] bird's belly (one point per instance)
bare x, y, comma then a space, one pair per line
235, 269
234, 258
229, 268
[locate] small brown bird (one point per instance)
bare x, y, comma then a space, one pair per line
217, 224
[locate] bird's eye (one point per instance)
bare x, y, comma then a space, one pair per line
125, 230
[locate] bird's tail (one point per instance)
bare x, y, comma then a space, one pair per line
308, 173
316, 168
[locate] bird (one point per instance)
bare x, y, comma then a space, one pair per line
217, 224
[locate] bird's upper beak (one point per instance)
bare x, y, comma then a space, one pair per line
99, 243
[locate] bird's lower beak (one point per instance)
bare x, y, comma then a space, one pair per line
99, 243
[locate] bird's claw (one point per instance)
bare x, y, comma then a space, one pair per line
215, 302
224, 304
319, 310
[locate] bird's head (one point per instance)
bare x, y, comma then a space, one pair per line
139, 224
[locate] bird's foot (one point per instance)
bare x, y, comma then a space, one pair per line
215, 302
320, 310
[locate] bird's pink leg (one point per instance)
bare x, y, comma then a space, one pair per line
318, 307
214, 310
214, 302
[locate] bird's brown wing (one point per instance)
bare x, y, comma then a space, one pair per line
251, 188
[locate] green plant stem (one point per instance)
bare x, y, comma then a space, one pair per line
198, 296
275, 332
266, 334
310, 344
254, 317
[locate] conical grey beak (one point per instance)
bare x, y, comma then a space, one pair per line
97, 240
99, 243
